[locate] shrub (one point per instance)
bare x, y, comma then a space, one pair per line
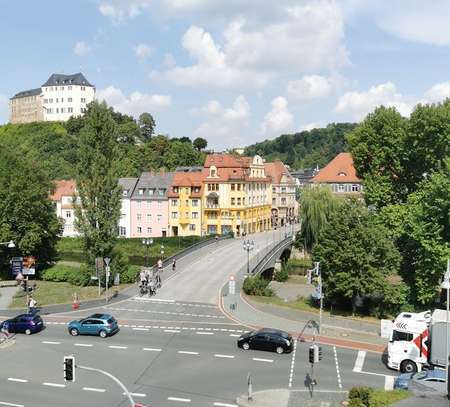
299, 266
362, 394
282, 275
77, 276
129, 275
257, 286
81, 276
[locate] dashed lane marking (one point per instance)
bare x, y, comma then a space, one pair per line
389, 382
152, 300
13, 379
152, 349
117, 347
172, 331
141, 329
235, 336
224, 356
204, 333
5, 403
359, 362
172, 302
84, 345
136, 394
51, 343
185, 352
184, 314
291, 373
263, 360
224, 404
338, 373
179, 399
53, 384
95, 389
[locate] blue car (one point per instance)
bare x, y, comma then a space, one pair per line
24, 323
424, 382
95, 324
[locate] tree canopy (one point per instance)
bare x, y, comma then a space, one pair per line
200, 143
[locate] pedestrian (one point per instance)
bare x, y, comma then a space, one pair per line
32, 305
5, 329
147, 276
174, 264
142, 277
217, 238
160, 264
152, 287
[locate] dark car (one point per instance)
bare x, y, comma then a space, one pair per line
267, 339
428, 382
24, 323
95, 324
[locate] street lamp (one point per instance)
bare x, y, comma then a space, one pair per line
446, 286
147, 243
9, 244
162, 252
248, 245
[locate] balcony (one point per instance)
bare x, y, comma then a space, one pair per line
210, 205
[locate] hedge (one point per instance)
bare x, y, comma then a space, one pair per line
257, 286
369, 397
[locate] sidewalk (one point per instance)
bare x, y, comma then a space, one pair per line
335, 331
6, 296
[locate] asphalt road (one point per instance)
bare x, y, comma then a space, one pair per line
174, 349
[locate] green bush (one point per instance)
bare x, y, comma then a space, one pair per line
129, 275
81, 276
368, 397
299, 266
77, 276
282, 275
257, 286
361, 393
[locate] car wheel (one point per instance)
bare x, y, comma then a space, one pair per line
245, 346
28, 331
408, 366
103, 334
280, 350
74, 332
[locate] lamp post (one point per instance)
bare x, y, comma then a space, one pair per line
162, 252
147, 243
446, 286
248, 245
10, 244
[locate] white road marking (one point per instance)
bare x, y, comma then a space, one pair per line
175, 331
117, 347
359, 361
234, 335
338, 373
152, 349
224, 356
5, 403
291, 373
53, 384
94, 389
263, 360
185, 352
168, 313
140, 329
84, 345
51, 343
172, 302
152, 299
224, 404
205, 333
13, 379
179, 399
137, 394
389, 382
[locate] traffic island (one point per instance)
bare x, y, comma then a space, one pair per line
265, 398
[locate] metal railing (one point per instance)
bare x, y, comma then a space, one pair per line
280, 246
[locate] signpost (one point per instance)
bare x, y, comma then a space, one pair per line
98, 270
108, 273
16, 265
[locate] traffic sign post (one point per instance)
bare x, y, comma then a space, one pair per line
16, 265
232, 292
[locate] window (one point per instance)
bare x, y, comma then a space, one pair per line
49, 110
62, 100
69, 88
161, 192
138, 204
355, 188
243, 201
139, 229
283, 201
57, 100
139, 217
70, 110
195, 202
83, 100
174, 202
239, 200
61, 88
401, 336
238, 187
186, 202
341, 187
68, 214
122, 231
213, 172
174, 215
50, 100
151, 191
141, 191
233, 187
149, 204
83, 110
159, 204
283, 189
63, 110
149, 230
57, 110
175, 189
159, 217
196, 189
69, 100
149, 217
191, 227
83, 88
45, 101
233, 201
194, 215
186, 214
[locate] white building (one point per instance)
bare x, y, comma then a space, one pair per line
62, 198
64, 96
128, 185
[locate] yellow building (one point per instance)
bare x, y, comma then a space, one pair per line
236, 195
185, 204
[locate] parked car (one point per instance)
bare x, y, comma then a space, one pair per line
95, 324
267, 339
426, 382
24, 323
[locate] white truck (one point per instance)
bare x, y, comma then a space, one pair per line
418, 340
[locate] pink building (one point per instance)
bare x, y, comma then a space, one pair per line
149, 210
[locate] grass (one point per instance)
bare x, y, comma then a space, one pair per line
50, 293
386, 398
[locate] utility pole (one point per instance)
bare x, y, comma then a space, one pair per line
446, 286
147, 243
248, 245
319, 280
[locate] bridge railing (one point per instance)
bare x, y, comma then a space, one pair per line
274, 252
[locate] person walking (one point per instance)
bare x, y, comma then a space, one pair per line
32, 305
160, 265
174, 265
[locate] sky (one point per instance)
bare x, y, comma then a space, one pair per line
233, 71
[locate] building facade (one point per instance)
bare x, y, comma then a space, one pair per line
63, 200
236, 195
59, 98
128, 185
340, 175
284, 203
26, 107
185, 203
149, 207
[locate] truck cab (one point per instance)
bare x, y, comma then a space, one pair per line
408, 342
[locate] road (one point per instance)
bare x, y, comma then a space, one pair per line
174, 349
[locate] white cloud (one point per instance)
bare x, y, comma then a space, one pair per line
134, 104
3, 109
169, 61
358, 104
143, 51
81, 48
438, 92
311, 126
310, 87
239, 111
279, 119
118, 10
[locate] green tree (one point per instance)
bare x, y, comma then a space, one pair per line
147, 126
357, 257
99, 209
27, 215
316, 207
200, 143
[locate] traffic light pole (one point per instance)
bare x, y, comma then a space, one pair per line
127, 393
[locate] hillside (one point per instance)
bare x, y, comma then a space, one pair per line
307, 148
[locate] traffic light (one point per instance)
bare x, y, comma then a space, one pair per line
69, 368
320, 353
311, 354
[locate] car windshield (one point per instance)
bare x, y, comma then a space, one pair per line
420, 375
111, 321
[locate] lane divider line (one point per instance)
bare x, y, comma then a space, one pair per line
5, 403
51, 343
224, 404
291, 373
117, 347
338, 373
205, 333
224, 356
179, 399
263, 360
13, 379
137, 394
53, 384
84, 345
94, 389
185, 352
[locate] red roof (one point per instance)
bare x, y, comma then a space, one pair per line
276, 170
339, 169
187, 179
63, 188
227, 161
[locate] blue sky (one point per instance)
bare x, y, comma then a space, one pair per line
233, 71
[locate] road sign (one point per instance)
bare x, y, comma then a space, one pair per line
99, 264
107, 261
231, 285
108, 272
28, 271
117, 279
16, 265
